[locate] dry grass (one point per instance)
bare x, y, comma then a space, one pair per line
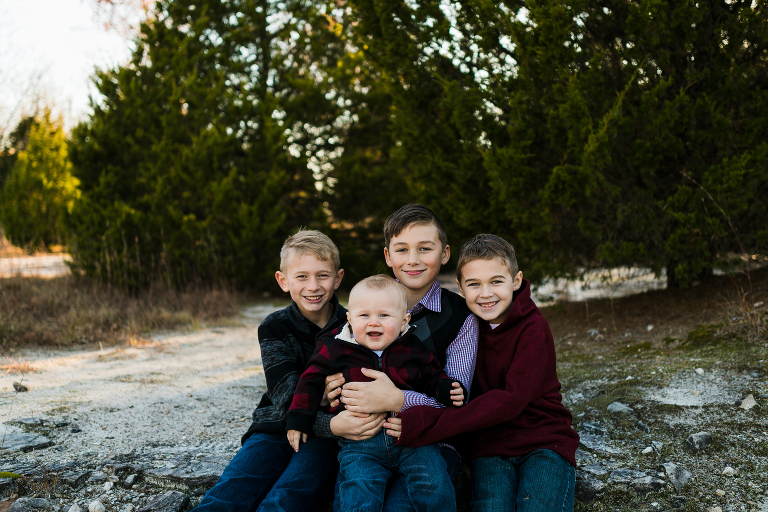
17, 366
74, 310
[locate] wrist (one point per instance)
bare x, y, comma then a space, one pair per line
398, 400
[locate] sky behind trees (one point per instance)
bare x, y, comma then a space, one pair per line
50, 48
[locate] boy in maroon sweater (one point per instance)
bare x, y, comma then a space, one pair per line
377, 336
522, 449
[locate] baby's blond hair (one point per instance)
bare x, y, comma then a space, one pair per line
380, 282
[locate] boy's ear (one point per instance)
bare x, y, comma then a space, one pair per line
518, 280
339, 276
282, 281
386, 257
349, 318
446, 255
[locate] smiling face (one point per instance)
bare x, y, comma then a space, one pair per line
416, 255
488, 287
377, 317
311, 283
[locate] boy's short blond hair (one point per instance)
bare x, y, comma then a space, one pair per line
384, 283
487, 247
309, 241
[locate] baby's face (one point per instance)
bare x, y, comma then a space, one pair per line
377, 317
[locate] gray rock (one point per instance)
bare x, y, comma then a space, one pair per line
171, 501
74, 478
698, 442
96, 506
583, 457
130, 481
30, 504
19, 387
195, 474
28, 422
597, 444
21, 442
676, 474
74, 508
97, 477
642, 426
647, 484
619, 408
595, 469
588, 487
625, 476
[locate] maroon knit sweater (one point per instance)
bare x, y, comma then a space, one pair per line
517, 407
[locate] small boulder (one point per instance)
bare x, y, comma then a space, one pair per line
30, 505
588, 487
619, 408
748, 402
171, 501
75, 508
698, 442
729, 471
19, 387
677, 475
96, 506
130, 481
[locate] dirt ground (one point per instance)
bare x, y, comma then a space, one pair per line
197, 389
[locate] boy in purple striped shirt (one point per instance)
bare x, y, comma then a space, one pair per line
416, 246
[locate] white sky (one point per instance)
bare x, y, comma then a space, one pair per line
62, 42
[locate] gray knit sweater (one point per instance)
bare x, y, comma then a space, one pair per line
287, 341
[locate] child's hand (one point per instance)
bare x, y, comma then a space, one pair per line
457, 395
295, 437
332, 391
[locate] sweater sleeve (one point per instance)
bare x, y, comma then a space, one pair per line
309, 391
283, 365
426, 425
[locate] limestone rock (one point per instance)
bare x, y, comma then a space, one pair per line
171, 501
75, 508
21, 442
130, 481
677, 475
597, 444
195, 474
698, 442
748, 402
30, 504
620, 408
96, 506
588, 487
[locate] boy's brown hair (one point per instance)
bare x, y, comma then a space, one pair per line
381, 282
309, 241
487, 247
409, 215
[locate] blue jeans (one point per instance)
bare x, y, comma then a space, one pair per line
366, 466
266, 474
540, 481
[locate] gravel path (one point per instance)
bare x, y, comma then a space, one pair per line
175, 389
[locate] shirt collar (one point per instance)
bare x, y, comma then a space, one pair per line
431, 300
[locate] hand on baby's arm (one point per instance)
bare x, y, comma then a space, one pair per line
295, 437
457, 395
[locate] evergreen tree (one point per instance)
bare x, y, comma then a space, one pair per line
194, 165
589, 133
39, 190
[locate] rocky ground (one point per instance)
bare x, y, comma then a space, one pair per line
669, 394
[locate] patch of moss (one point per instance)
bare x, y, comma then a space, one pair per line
703, 335
8, 474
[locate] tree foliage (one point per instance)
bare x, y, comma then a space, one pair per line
589, 133
199, 159
38, 191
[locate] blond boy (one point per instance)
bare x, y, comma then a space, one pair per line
266, 474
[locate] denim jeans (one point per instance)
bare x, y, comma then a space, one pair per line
366, 466
266, 474
541, 481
